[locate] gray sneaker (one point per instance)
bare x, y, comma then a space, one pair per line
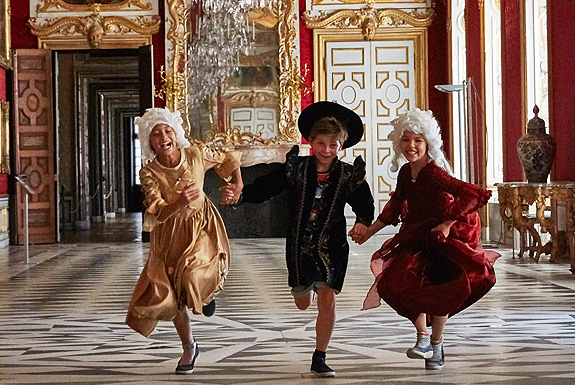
437, 361
422, 348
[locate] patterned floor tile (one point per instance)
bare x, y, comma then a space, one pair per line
62, 321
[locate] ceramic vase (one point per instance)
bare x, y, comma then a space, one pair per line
536, 150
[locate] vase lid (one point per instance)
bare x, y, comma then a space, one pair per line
536, 124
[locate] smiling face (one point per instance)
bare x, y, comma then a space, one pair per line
163, 140
414, 147
325, 148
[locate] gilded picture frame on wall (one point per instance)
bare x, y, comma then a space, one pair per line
5, 49
4, 137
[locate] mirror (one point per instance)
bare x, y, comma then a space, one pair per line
259, 102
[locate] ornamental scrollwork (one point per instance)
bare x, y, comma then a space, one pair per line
95, 26
369, 19
62, 5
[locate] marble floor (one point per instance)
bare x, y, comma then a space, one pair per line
62, 322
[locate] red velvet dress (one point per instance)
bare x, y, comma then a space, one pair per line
418, 271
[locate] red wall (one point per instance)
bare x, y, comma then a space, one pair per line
438, 69
560, 30
2, 83
475, 61
21, 36
513, 86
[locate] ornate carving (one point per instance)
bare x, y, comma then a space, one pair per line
4, 137
95, 27
237, 137
290, 80
253, 98
62, 5
369, 19
514, 202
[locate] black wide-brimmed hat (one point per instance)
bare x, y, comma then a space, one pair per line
349, 119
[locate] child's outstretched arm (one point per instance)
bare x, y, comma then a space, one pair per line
357, 232
232, 191
370, 231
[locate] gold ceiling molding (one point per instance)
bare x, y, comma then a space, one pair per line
369, 19
62, 5
95, 28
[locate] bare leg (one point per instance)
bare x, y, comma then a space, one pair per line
303, 302
422, 348
325, 318
437, 325
420, 324
182, 324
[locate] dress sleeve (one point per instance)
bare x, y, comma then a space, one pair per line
393, 209
224, 162
360, 199
270, 185
153, 201
467, 196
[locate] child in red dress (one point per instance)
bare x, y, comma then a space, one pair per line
434, 267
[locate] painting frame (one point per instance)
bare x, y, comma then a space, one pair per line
5, 49
4, 137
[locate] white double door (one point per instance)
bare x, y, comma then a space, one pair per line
377, 80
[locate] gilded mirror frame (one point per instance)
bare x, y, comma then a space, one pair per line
5, 39
4, 137
175, 88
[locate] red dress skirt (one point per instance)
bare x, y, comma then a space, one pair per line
419, 271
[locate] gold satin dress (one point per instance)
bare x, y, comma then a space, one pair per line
189, 252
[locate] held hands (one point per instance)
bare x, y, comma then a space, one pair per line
357, 232
359, 236
231, 193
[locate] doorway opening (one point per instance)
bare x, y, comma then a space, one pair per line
97, 98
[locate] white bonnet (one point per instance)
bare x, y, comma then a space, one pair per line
149, 120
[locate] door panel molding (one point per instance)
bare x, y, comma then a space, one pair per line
393, 68
34, 144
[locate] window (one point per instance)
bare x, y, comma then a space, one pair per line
536, 51
136, 155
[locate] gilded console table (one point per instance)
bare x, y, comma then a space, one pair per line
515, 198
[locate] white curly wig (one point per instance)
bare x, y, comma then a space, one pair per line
149, 120
419, 122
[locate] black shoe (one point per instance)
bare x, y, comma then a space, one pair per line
188, 369
319, 367
209, 309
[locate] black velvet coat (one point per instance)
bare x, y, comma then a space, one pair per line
325, 257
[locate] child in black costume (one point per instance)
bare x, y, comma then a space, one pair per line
319, 186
